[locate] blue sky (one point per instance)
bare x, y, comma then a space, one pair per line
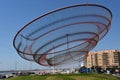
16, 13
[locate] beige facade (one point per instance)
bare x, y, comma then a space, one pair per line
106, 58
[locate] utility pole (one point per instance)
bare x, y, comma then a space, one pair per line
53, 60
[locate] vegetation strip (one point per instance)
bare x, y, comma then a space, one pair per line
67, 77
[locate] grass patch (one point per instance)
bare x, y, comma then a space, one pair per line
67, 77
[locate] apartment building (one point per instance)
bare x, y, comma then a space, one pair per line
104, 59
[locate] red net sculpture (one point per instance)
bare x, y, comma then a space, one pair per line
63, 36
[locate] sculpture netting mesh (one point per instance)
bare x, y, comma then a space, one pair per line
64, 36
